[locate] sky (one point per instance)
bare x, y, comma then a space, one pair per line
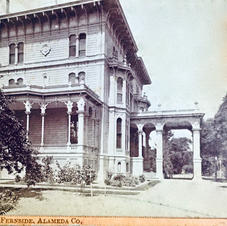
184, 47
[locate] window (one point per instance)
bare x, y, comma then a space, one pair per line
20, 81
74, 129
119, 90
12, 54
119, 167
72, 78
20, 58
72, 45
81, 77
11, 82
82, 44
119, 133
127, 93
127, 167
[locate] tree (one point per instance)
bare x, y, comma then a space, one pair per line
176, 154
16, 152
214, 138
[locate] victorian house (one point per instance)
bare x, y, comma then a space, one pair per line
74, 73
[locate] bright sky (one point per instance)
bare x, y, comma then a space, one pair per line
184, 46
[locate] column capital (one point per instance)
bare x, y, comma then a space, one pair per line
159, 127
81, 105
28, 107
140, 128
69, 105
43, 107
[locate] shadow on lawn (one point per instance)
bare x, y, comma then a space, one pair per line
25, 192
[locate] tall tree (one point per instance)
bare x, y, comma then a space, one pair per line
16, 152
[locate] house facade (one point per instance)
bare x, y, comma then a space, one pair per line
76, 79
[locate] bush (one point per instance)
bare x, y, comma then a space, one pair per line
120, 180
48, 173
8, 200
17, 179
142, 178
75, 175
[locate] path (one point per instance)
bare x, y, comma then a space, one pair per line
170, 198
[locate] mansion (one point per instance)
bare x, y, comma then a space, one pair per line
77, 82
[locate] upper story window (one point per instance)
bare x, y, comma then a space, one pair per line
119, 90
72, 78
119, 132
20, 81
20, 52
11, 82
82, 44
72, 45
12, 48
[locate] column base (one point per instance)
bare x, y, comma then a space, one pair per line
101, 174
197, 168
69, 147
159, 169
137, 166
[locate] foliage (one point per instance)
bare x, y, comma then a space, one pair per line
214, 137
16, 152
75, 175
176, 155
8, 200
120, 180
142, 178
47, 171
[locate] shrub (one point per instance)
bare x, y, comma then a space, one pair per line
48, 173
8, 200
75, 175
142, 178
17, 179
120, 180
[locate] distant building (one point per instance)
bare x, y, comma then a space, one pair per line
77, 81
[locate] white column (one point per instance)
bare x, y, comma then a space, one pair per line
112, 91
69, 105
81, 105
77, 46
197, 167
28, 107
137, 163
43, 112
124, 92
140, 145
16, 54
159, 152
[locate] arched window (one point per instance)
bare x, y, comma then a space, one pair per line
82, 44
72, 78
127, 167
119, 132
119, 90
20, 81
72, 45
90, 112
11, 82
81, 76
12, 53
20, 58
119, 167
